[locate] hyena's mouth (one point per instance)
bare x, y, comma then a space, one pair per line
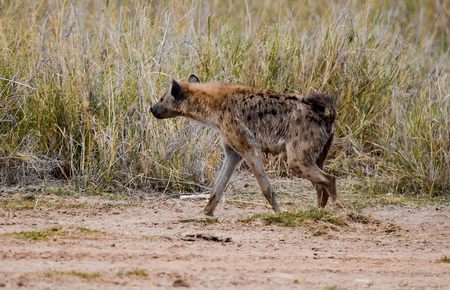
162, 113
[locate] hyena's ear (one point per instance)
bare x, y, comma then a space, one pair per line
177, 91
193, 79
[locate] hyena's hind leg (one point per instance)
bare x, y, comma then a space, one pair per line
303, 165
232, 159
322, 194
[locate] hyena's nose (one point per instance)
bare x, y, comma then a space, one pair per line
154, 112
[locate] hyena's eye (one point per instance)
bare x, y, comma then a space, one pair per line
161, 99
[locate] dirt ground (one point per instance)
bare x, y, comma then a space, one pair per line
93, 243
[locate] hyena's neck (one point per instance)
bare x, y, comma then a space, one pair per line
202, 113
206, 103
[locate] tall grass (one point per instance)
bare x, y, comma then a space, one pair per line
78, 79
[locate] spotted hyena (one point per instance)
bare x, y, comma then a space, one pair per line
251, 121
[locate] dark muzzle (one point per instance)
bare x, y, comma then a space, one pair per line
155, 112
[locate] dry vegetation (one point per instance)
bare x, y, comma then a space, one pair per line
77, 79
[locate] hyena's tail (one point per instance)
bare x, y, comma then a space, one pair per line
322, 104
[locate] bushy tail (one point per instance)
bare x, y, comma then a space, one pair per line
323, 105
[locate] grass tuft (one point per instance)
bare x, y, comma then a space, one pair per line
333, 288
52, 233
137, 273
79, 274
444, 259
203, 221
41, 235
18, 202
85, 275
297, 218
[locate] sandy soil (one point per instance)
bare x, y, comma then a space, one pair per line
162, 243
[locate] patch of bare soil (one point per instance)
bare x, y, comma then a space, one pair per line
167, 243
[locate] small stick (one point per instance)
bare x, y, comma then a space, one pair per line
195, 196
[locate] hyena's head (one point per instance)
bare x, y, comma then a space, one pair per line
170, 104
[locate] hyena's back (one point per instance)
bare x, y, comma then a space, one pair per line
265, 115
273, 119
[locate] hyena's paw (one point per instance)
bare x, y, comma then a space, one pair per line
208, 211
276, 208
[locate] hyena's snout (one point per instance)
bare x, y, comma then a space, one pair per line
161, 112
156, 111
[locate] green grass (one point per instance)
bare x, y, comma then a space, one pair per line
444, 259
333, 288
79, 274
85, 275
78, 79
18, 203
65, 197
203, 221
52, 233
41, 235
328, 217
136, 273
299, 217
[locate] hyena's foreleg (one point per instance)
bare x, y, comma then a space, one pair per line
256, 165
232, 159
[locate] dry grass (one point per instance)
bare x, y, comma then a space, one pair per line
77, 79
